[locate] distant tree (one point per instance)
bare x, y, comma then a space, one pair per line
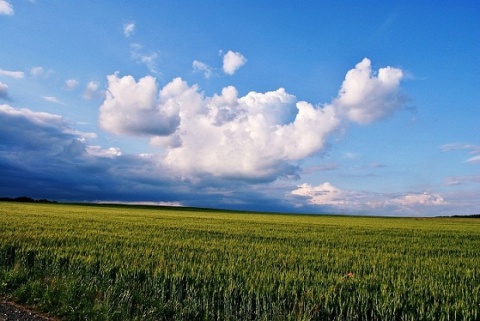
467, 216
24, 199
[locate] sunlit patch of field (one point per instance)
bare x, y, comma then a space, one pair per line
132, 263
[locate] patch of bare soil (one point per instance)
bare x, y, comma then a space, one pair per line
10, 311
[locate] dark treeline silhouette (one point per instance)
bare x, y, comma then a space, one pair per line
24, 199
468, 216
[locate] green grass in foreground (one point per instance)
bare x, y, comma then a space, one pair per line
124, 263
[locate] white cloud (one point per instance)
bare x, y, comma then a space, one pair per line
251, 137
3, 91
199, 66
40, 71
324, 194
71, 83
474, 159
366, 97
260, 136
98, 151
414, 199
472, 148
6, 8
53, 100
337, 200
232, 61
459, 146
91, 91
128, 29
132, 107
13, 74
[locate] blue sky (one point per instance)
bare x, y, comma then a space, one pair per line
309, 107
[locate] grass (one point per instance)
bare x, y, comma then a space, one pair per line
139, 263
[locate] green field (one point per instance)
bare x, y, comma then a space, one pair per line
82, 262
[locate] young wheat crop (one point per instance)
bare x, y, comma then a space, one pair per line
129, 263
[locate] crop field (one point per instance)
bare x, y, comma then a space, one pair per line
85, 262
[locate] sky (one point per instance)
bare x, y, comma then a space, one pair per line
342, 107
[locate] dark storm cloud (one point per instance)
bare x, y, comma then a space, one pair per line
42, 156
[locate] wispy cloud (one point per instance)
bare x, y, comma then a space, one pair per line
129, 29
474, 159
320, 168
462, 180
71, 83
199, 66
471, 148
37, 71
53, 100
6, 8
40, 71
137, 53
150, 59
459, 146
12, 74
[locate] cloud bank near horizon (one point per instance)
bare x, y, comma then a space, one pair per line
42, 155
327, 194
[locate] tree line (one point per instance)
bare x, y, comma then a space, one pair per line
25, 199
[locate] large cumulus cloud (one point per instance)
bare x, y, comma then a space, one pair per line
252, 137
260, 136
